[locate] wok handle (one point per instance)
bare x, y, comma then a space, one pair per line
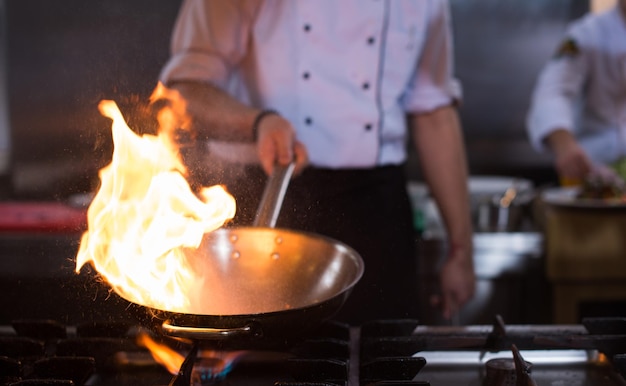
273, 196
204, 332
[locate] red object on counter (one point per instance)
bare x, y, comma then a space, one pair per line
41, 217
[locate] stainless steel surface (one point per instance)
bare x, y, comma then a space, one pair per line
510, 279
500, 204
466, 367
539, 357
497, 204
593, 373
503, 212
497, 254
259, 270
203, 332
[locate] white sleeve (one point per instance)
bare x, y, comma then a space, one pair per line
433, 84
209, 38
556, 97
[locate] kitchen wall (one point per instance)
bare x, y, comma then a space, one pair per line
5, 131
65, 56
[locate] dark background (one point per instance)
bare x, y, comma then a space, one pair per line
63, 57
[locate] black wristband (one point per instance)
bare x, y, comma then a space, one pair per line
258, 119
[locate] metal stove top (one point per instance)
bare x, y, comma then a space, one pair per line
376, 353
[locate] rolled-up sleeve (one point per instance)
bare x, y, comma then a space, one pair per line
210, 37
433, 84
555, 99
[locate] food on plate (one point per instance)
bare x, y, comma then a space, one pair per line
620, 168
598, 188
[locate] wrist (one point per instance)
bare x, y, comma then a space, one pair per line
258, 119
560, 140
462, 248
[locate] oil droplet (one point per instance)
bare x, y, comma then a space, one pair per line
236, 255
275, 256
279, 240
233, 238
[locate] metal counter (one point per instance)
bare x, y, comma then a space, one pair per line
510, 278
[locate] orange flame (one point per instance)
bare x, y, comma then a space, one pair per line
209, 363
145, 214
171, 359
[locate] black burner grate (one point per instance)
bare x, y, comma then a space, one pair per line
386, 352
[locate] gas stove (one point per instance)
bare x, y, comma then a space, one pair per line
384, 352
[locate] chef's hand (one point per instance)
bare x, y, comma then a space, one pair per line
605, 176
457, 281
277, 144
571, 162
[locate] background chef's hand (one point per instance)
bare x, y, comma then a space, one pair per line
277, 144
457, 281
571, 161
605, 176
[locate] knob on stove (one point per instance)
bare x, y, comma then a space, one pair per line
500, 372
508, 371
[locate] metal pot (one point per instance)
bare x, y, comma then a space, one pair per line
264, 282
500, 204
501, 214
497, 204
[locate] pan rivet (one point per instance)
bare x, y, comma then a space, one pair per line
279, 240
275, 256
236, 255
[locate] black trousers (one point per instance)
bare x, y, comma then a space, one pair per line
367, 209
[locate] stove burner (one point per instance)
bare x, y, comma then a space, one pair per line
508, 371
208, 371
76, 369
39, 329
391, 352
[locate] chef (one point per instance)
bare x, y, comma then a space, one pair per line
578, 108
330, 84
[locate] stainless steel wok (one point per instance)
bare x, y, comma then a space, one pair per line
264, 282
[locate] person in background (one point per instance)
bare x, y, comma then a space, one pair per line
334, 86
578, 107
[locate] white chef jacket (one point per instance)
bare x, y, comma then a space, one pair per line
585, 91
342, 72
